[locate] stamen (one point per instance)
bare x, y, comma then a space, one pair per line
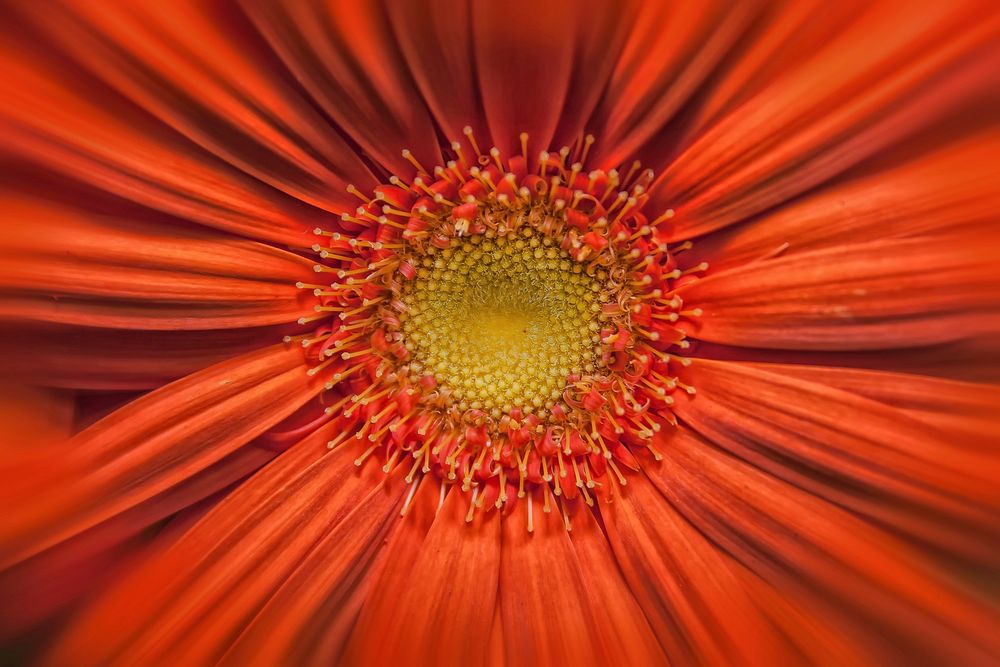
493, 322
408, 156
467, 131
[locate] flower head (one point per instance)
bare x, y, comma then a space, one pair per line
498, 333
510, 324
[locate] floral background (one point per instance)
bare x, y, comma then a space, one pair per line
828, 496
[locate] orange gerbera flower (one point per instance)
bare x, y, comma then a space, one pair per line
424, 332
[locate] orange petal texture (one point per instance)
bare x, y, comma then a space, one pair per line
111, 273
147, 447
180, 486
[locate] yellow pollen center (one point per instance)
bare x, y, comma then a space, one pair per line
501, 322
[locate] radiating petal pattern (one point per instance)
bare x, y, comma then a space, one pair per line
104, 272
863, 581
150, 445
46, 584
118, 360
869, 296
670, 52
214, 578
441, 608
931, 64
852, 450
219, 93
687, 588
542, 584
764, 432
942, 192
54, 118
344, 56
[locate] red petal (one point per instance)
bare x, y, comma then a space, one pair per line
670, 52
449, 591
941, 192
150, 445
819, 641
962, 411
542, 66
220, 89
51, 582
33, 418
880, 295
602, 30
392, 574
862, 583
891, 74
345, 56
495, 655
972, 360
61, 119
684, 583
185, 605
549, 615
120, 273
852, 450
308, 619
620, 619
777, 41
436, 44
120, 360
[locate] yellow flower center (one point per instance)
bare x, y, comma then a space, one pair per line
501, 321
508, 325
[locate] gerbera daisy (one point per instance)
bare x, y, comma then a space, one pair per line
499, 333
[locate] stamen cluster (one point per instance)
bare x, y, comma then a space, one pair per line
505, 324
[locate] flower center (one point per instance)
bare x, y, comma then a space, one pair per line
507, 325
501, 321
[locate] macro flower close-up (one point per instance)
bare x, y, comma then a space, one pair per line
474, 332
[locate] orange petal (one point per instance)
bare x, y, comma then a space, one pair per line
34, 595
495, 655
308, 619
620, 619
149, 446
542, 66
222, 92
436, 44
777, 41
524, 67
852, 450
120, 273
965, 410
443, 609
59, 117
942, 192
117, 359
880, 295
41, 587
186, 604
345, 56
818, 641
890, 74
33, 418
392, 575
549, 616
314, 627
863, 583
972, 360
684, 583
654, 77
